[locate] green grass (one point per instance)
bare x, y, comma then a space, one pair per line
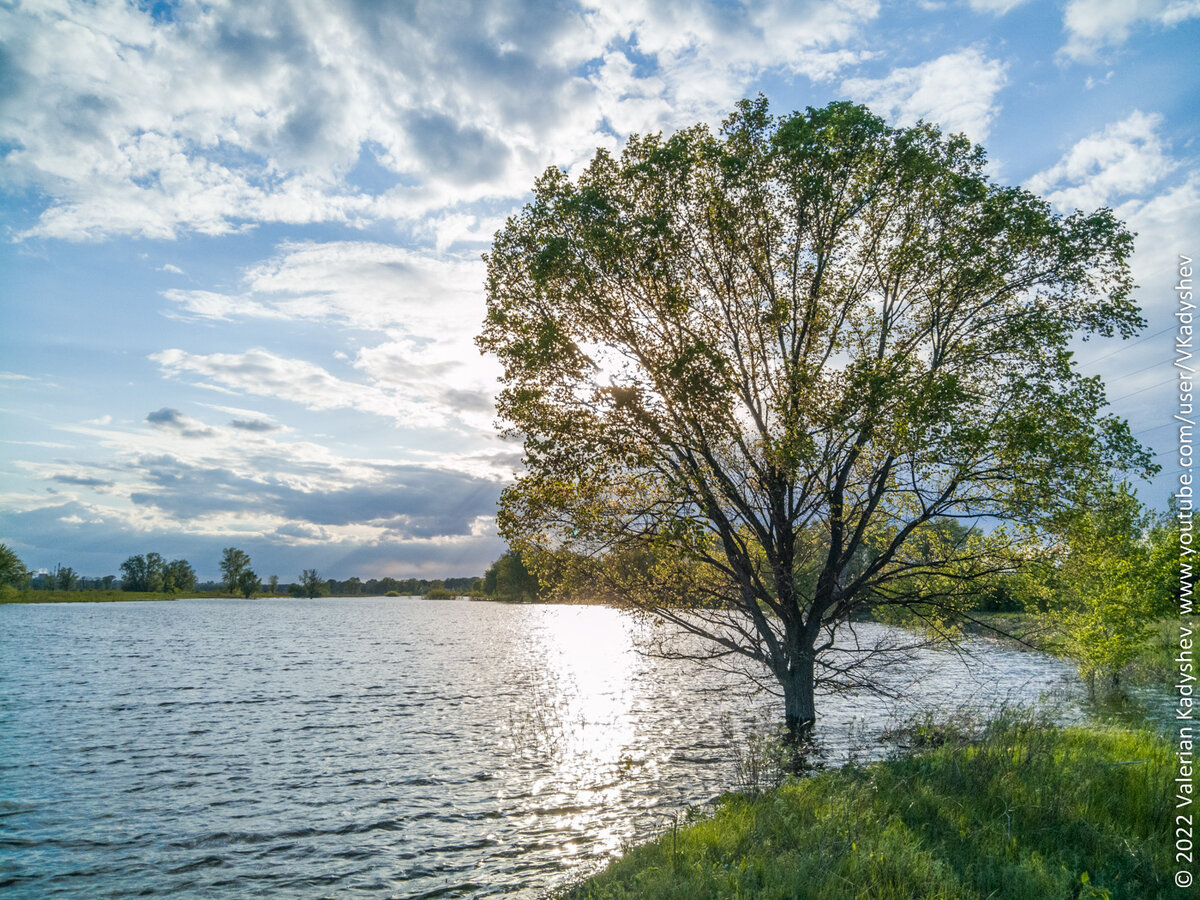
14, 596
1029, 811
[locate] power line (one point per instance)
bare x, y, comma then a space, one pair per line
1141, 390
1155, 428
1153, 365
1125, 347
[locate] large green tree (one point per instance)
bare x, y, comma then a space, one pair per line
178, 575
152, 572
236, 572
143, 573
763, 363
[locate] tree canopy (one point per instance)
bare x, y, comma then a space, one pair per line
236, 573
12, 570
765, 363
1109, 574
509, 579
153, 573
311, 584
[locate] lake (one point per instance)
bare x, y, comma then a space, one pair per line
394, 747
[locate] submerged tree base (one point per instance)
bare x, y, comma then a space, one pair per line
1030, 811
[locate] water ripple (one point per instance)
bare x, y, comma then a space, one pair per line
398, 747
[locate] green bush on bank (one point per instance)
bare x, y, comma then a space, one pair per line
1031, 811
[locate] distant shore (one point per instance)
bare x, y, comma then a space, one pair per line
93, 596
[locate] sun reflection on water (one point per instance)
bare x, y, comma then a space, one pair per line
576, 715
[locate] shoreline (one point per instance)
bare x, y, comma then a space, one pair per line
1028, 810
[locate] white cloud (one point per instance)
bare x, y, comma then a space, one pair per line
232, 114
427, 372
262, 373
996, 7
955, 91
413, 384
1094, 25
1127, 157
359, 285
182, 424
1165, 223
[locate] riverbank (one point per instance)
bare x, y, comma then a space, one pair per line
97, 596
1029, 810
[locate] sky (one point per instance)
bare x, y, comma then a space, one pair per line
240, 243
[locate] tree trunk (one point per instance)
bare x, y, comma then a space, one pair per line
799, 711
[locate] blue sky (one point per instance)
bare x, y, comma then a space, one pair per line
241, 241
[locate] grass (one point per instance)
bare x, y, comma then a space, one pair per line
14, 596
1029, 810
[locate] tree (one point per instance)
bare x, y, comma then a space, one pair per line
248, 584
235, 564
509, 579
1109, 574
65, 578
273, 584
310, 581
144, 573
178, 575
752, 369
12, 570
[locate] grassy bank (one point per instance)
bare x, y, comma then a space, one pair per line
1029, 811
96, 596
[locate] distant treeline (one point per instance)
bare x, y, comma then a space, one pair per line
506, 579
416, 587
154, 573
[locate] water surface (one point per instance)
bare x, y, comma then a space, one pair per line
393, 747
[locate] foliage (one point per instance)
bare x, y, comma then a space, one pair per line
311, 584
12, 570
1110, 573
509, 579
235, 564
755, 371
153, 573
178, 575
143, 573
65, 578
248, 584
1031, 811
376, 587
